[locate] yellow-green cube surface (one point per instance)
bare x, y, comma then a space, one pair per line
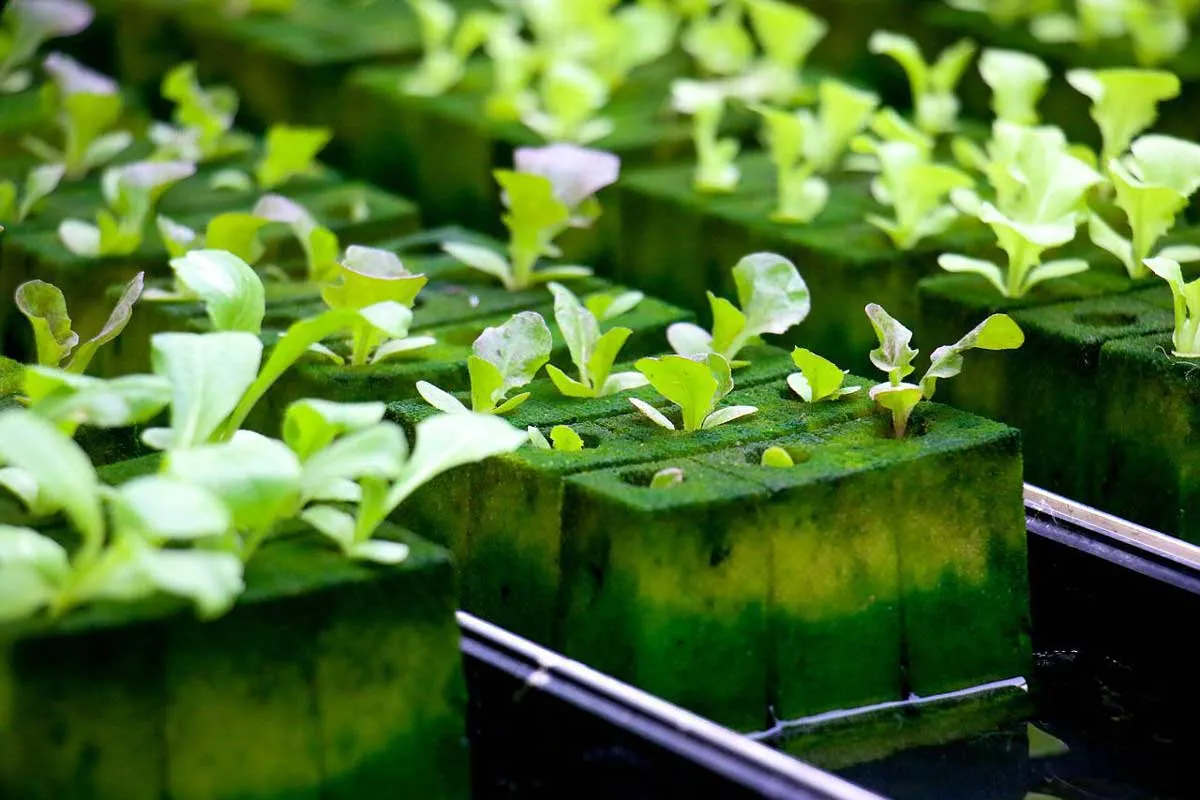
329, 678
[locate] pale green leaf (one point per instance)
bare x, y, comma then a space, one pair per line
440, 399
689, 384
46, 309
668, 477
233, 295
653, 414
159, 508
289, 152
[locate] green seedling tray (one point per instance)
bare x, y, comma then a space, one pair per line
328, 679
679, 243
825, 585
1151, 472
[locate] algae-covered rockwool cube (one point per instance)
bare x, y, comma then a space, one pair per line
679, 243
329, 678
1049, 388
1151, 412
864, 551
669, 588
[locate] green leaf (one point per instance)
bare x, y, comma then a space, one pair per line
444, 442
212, 581
894, 355
818, 378
210, 374
289, 152
486, 261
900, 399
579, 328
604, 355
568, 386
257, 478
1018, 82
534, 217
689, 339
311, 425
1124, 102
727, 414
63, 473
997, 332
771, 293
952, 262
376, 452
71, 400
787, 32
440, 399
117, 320
517, 349
538, 439
46, 309
32, 567
608, 305
565, 440
653, 414
40, 183
668, 477
1186, 297
238, 233
688, 384
487, 385
233, 294
368, 275
159, 508
777, 458
1042, 744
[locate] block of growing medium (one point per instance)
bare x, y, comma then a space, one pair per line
1147, 392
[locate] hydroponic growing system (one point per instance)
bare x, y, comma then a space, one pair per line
708, 343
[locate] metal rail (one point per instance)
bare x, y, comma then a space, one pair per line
1126, 544
754, 766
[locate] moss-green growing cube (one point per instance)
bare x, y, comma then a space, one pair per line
1149, 409
1049, 388
669, 588
912, 547
329, 678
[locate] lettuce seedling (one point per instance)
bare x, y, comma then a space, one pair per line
1157, 31
149, 535
1186, 337
569, 98
804, 145
504, 358
895, 357
57, 345
562, 439
535, 215
718, 41
514, 66
40, 183
27, 25
818, 378
131, 191
777, 458
1124, 102
1018, 82
667, 477
89, 104
787, 33
289, 152
916, 188
575, 173
1040, 191
443, 442
696, 385
716, 170
216, 377
773, 298
932, 85
1152, 185
592, 354
610, 305
447, 42
376, 284
202, 121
